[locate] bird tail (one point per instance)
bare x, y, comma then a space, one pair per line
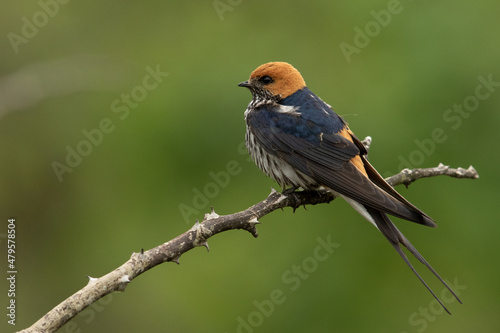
396, 238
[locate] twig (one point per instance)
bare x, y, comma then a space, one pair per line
407, 176
198, 235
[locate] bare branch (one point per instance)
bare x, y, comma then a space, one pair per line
407, 176
198, 235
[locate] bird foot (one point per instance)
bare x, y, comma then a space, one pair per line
290, 190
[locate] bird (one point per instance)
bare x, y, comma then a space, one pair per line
298, 140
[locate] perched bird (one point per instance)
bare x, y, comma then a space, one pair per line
299, 141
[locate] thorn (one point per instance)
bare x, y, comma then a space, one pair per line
91, 279
305, 207
125, 279
473, 170
201, 233
442, 167
205, 244
195, 226
136, 255
211, 215
254, 220
122, 283
175, 259
252, 229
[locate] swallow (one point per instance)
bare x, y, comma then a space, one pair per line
299, 141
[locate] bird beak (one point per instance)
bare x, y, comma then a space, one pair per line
244, 84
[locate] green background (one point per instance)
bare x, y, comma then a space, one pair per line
127, 192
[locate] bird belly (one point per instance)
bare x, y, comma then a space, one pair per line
282, 172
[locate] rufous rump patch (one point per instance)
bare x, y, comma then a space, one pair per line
356, 160
287, 79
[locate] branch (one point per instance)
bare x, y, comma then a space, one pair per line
408, 176
198, 235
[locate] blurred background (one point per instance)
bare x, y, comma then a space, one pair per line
121, 123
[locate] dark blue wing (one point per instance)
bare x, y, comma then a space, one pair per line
315, 148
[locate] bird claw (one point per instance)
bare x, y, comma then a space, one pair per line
290, 190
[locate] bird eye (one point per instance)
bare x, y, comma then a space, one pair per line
266, 79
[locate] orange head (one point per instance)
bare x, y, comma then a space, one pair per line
277, 79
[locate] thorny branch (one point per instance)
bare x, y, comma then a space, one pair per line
407, 176
198, 235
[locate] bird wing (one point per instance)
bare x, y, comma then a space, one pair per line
378, 180
333, 159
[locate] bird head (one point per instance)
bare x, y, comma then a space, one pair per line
274, 81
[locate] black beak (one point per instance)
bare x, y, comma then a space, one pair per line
244, 84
